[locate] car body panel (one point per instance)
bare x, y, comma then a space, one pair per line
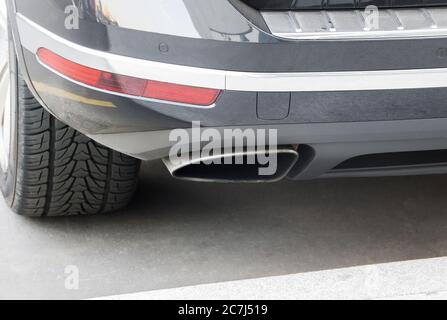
235, 53
334, 125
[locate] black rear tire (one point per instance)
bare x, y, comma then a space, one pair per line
59, 171
56, 171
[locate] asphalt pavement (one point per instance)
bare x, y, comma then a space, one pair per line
178, 234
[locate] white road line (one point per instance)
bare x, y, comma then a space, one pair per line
416, 279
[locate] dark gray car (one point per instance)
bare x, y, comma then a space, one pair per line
89, 88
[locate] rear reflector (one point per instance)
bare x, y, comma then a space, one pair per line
128, 85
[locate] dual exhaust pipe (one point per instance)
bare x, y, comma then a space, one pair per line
249, 166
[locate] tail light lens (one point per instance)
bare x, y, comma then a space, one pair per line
179, 93
128, 85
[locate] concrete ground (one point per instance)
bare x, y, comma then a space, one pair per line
178, 234
424, 279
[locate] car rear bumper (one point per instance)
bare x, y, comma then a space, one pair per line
215, 35
34, 36
340, 98
323, 146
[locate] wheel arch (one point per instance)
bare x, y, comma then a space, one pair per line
22, 66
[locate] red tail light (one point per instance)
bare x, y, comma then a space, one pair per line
128, 85
179, 93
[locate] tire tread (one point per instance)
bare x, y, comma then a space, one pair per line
63, 172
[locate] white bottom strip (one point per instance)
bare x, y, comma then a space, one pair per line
417, 279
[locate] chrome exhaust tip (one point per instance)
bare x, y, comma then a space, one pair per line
235, 167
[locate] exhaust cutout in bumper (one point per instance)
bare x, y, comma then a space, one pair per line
234, 167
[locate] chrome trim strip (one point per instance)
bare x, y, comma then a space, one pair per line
34, 36
352, 24
338, 81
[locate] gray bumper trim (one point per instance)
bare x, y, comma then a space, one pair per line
332, 143
33, 37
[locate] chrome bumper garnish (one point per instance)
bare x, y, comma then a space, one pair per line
358, 24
